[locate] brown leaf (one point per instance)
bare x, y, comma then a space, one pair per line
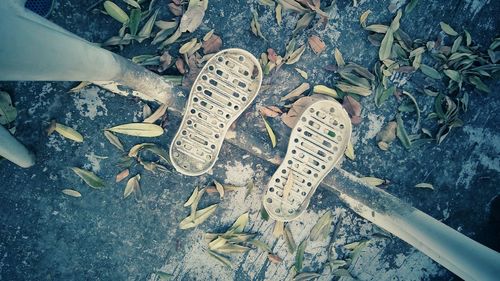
270, 111
317, 45
353, 107
194, 70
271, 55
212, 44
176, 10
296, 92
166, 61
291, 117
179, 64
388, 133
274, 258
122, 175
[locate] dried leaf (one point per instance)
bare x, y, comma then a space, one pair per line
296, 92
299, 257
410, 6
194, 205
417, 124
115, 12
249, 187
270, 132
425, 185
306, 276
163, 275
288, 186
261, 245
68, 132
317, 45
72, 193
187, 46
208, 35
132, 3
295, 55
290, 242
363, 17
377, 28
274, 258
303, 22
200, 217
175, 9
151, 147
270, 111
255, 25
447, 29
192, 18
212, 45
138, 129
353, 108
278, 229
192, 198
89, 178
401, 132
225, 261
349, 152
132, 185
239, 224
79, 87
122, 175
388, 133
278, 14
339, 58
232, 249
348, 88
322, 89
157, 114
386, 45
220, 188
372, 181
302, 73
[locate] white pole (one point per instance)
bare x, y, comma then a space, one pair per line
34, 49
12, 150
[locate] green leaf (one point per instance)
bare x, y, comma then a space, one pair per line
299, 257
324, 222
456, 44
410, 6
290, 242
382, 95
135, 20
476, 81
270, 132
138, 129
115, 12
222, 259
263, 213
386, 45
429, 71
447, 29
146, 30
401, 132
452, 74
89, 178
8, 112
468, 38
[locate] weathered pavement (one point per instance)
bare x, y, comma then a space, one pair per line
47, 236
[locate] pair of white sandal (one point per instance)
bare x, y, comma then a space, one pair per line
225, 87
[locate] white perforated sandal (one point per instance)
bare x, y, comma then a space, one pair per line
317, 143
225, 87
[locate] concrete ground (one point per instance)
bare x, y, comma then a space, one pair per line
46, 235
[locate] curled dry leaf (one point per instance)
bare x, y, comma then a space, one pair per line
212, 45
179, 64
302, 73
71, 192
270, 111
353, 107
295, 55
132, 185
322, 89
122, 175
193, 17
186, 47
220, 188
165, 61
317, 45
270, 132
363, 17
296, 92
157, 114
349, 152
208, 35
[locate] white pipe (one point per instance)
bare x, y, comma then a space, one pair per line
12, 150
34, 49
458, 253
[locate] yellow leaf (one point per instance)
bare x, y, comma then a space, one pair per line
363, 17
349, 152
321, 89
68, 132
138, 129
220, 188
115, 12
372, 181
187, 46
72, 193
278, 229
279, 8
339, 58
132, 185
